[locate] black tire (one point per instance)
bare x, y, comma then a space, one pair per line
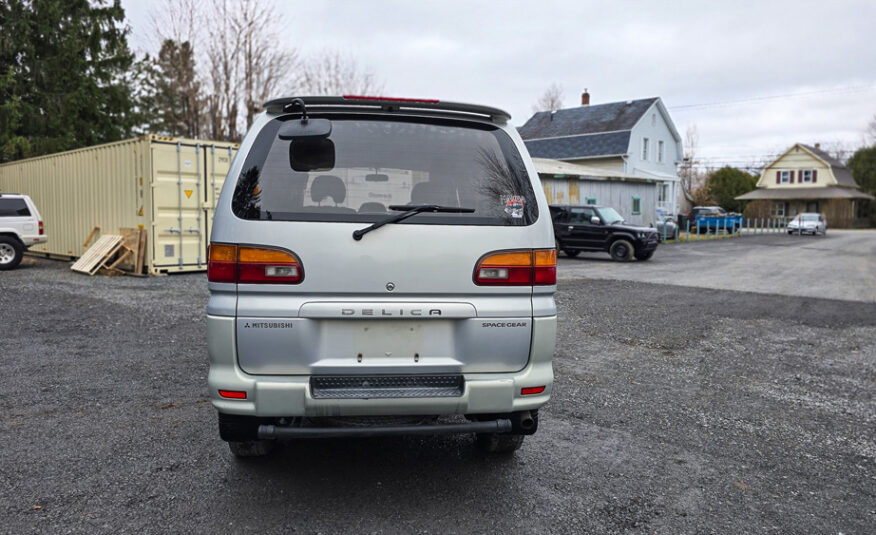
251, 448
11, 253
644, 256
498, 443
571, 254
621, 250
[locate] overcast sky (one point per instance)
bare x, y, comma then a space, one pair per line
818, 58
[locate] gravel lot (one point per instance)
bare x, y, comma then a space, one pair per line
677, 409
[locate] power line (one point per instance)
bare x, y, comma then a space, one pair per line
722, 103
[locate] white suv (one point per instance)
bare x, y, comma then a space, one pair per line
20, 227
378, 267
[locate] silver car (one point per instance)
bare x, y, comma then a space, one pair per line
380, 266
808, 223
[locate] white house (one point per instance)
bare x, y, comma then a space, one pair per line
633, 137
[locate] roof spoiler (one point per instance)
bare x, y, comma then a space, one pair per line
388, 105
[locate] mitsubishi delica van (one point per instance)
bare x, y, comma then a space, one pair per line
380, 266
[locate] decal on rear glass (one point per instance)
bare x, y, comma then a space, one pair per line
514, 206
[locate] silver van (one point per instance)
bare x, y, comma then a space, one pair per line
380, 266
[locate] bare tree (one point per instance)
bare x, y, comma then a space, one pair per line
223, 53
266, 66
176, 20
551, 100
331, 72
691, 179
870, 133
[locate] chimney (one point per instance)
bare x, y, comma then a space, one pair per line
818, 146
585, 98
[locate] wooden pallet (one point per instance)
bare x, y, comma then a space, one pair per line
98, 254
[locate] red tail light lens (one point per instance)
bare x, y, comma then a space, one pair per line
517, 268
41, 229
253, 265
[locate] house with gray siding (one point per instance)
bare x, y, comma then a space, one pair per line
631, 138
634, 197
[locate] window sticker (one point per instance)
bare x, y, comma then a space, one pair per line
514, 206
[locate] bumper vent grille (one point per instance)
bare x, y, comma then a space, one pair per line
386, 386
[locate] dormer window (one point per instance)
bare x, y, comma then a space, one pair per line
784, 177
806, 176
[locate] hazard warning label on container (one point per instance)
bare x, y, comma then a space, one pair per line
188, 194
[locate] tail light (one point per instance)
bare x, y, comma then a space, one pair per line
253, 265
41, 229
525, 267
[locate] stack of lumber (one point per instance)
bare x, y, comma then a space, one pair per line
114, 254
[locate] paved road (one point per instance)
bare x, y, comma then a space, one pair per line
841, 265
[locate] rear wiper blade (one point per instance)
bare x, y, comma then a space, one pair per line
409, 210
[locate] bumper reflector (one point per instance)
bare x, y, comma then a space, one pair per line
232, 394
531, 390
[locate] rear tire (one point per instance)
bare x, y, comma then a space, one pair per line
621, 250
11, 252
498, 442
644, 256
571, 254
251, 448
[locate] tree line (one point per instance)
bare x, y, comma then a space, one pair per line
69, 79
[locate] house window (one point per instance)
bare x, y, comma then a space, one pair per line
785, 177
662, 192
777, 209
806, 175
660, 151
590, 200
637, 205
653, 119
645, 148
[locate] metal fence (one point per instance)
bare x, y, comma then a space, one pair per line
749, 226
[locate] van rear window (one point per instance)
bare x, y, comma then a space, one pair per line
13, 207
379, 163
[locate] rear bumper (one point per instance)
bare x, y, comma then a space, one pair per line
290, 396
30, 241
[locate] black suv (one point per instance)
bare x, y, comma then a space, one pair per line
600, 228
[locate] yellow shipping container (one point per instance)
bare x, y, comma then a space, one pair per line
168, 186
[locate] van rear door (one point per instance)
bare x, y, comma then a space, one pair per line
405, 298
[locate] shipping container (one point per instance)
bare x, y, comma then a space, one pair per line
168, 186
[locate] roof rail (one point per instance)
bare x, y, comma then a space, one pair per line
387, 104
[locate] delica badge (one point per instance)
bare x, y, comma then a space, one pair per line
514, 206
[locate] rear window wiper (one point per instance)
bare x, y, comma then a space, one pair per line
409, 210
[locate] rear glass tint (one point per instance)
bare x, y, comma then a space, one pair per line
13, 207
381, 163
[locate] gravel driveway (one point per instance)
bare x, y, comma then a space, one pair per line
676, 410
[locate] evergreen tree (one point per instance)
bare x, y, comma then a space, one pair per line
175, 91
727, 183
65, 76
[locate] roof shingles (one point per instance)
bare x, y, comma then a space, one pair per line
584, 132
586, 146
599, 118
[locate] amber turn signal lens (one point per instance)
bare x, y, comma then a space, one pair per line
253, 254
220, 252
